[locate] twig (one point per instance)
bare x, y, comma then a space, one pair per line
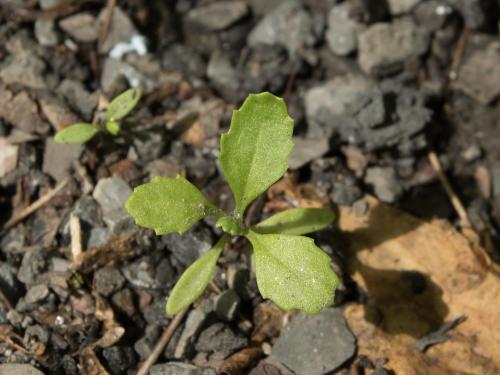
76, 237
239, 361
458, 53
35, 205
455, 201
160, 345
103, 33
5, 300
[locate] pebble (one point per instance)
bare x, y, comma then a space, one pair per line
26, 69
218, 15
150, 271
471, 153
178, 368
87, 210
222, 74
8, 157
315, 345
398, 7
194, 323
45, 32
343, 29
108, 280
189, 246
57, 112
121, 28
111, 193
306, 150
33, 264
288, 25
36, 294
384, 48
113, 80
123, 302
58, 158
227, 305
10, 285
22, 112
345, 190
81, 27
119, 359
479, 75
79, 98
386, 185
18, 369
220, 338
145, 345
185, 59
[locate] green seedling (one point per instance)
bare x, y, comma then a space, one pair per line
290, 269
119, 107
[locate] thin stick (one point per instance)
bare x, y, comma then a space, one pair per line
160, 345
5, 300
76, 237
35, 205
455, 201
110, 6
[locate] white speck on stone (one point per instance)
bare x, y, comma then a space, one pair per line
443, 10
137, 44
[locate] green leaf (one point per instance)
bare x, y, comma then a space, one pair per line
113, 127
168, 205
229, 225
255, 150
76, 134
123, 104
296, 221
195, 279
293, 272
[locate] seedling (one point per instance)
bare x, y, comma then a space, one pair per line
119, 107
290, 269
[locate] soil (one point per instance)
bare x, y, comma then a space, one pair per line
375, 90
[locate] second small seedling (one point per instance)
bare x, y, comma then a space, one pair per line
119, 107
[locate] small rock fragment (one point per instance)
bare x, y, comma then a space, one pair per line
121, 28
343, 29
315, 345
108, 280
227, 305
150, 272
479, 75
306, 150
194, 324
384, 48
385, 183
18, 369
22, 112
188, 247
45, 32
289, 25
8, 157
57, 112
178, 368
58, 158
81, 27
398, 7
145, 345
111, 194
222, 74
79, 98
220, 338
119, 359
217, 15
123, 302
36, 294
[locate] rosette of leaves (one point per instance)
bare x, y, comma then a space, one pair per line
117, 110
290, 269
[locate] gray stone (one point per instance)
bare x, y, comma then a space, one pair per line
315, 345
227, 305
343, 29
47, 4
182, 58
9, 155
345, 190
45, 32
398, 7
36, 293
18, 369
217, 15
154, 314
289, 25
384, 48
58, 158
194, 324
25, 69
99, 236
432, 14
119, 359
111, 194
112, 78
57, 112
79, 98
33, 264
222, 74
385, 183
22, 112
87, 210
220, 338
188, 247
473, 11
178, 368
8, 281
108, 280
123, 302
145, 345
81, 27
238, 279
306, 150
151, 146
479, 75
121, 28
150, 272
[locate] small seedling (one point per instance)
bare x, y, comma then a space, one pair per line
290, 269
119, 107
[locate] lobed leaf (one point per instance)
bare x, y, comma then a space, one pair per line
123, 104
296, 221
76, 134
195, 279
293, 272
255, 150
168, 205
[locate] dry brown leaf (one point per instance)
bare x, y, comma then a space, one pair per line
90, 364
113, 332
418, 275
